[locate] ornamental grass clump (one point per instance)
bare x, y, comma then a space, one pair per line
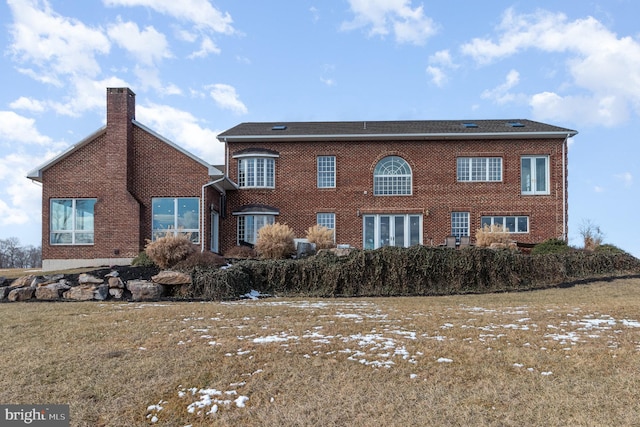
494, 235
321, 236
170, 249
275, 241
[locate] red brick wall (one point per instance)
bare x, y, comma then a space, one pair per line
435, 187
123, 177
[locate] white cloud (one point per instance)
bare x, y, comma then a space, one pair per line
440, 62
626, 178
605, 68
20, 129
184, 129
501, 94
198, 12
147, 46
328, 81
598, 189
407, 24
29, 104
54, 44
227, 98
207, 46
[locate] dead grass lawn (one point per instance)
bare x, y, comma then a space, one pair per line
555, 357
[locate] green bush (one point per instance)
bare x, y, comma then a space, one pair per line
143, 260
609, 248
418, 270
551, 246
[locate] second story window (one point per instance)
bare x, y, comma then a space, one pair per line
476, 169
392, 177
326, 171
534, 174
256, 172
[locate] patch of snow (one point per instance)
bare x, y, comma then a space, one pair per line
444, 360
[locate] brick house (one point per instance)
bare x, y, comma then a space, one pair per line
374, 183
106, 195
397, 182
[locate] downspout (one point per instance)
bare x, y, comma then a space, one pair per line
226, 160
564, 190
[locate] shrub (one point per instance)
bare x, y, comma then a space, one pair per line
611, 249
143, 260
168, 250
321, 236
201, 259
551, 246
275, 241
243, 252
591, 235
490, 234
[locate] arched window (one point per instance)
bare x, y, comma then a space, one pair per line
392, 177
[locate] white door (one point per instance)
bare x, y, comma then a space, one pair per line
215, 218
402, 230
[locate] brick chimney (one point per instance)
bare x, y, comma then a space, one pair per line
121, 110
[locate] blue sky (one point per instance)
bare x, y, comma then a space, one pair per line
200, 67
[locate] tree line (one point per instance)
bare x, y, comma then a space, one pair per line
13, 255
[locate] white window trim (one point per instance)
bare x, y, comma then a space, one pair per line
73, 231
324, 225
504, 225
318, 181
410, 176
533, 176
244, 215
176, 230
256, 157
468, 216
487, 169
376, 229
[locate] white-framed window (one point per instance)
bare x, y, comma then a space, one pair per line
175, 215
512, 224
326, 171
327, 219
477, 169
534, 174
257, 172
248, 226
459, 224
402, 230
71, 221
392, 177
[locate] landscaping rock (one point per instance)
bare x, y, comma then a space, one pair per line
4, 291
116, 293
49, 279
21, 294
143, 290
3, 281
80, 292
23, 281
115, 282
52, 291
168, 277
85, 278
101, 292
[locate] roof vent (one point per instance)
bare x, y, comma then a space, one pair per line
469, 125
515, 124
279, 127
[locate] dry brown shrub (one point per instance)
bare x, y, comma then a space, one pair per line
275, 241
494, 235
201, 259
241, 252
321, 236
170, 249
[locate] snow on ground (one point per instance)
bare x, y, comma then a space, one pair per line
384, 344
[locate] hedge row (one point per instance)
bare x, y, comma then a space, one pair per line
418, 270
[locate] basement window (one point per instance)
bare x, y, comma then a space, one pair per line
469, 125
279, 127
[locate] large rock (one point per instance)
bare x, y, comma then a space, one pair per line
4, 291
115, 282
23, 281
116, 293
80, 292
85, 279
52, 291
49, 279
143, 290
168, 277
101, 292
21, 294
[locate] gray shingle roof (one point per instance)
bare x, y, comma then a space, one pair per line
404, 129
